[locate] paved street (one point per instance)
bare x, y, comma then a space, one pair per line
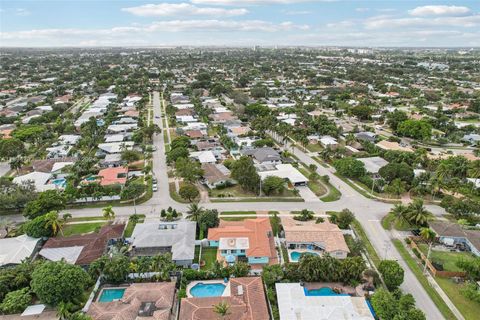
369, 212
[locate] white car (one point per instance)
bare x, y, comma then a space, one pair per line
154, 188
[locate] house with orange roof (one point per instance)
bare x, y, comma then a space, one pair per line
246, 300
115, 175
309, 237
250, 240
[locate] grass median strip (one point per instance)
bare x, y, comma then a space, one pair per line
368, 245
417, 271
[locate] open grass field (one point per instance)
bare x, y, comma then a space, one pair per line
81, 228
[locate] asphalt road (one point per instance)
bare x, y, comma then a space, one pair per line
368, 212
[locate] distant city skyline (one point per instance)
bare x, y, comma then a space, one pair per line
391, 23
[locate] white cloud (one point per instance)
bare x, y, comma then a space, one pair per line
253, 2
390, 22
22, 12
440, 10
362, 9
181, 9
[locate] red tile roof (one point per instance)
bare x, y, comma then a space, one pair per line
251, 305
258, 231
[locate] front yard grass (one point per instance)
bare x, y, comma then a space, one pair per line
81, 228
130, 226
209, 255
468, 308
388, 221
417, 271
314, 147
237, 191
446, 258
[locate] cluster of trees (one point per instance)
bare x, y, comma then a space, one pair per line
395, 305
245, 173
205, 218
414, 214
472, 268
46, 225
15, 196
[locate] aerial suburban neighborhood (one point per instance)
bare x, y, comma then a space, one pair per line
239, 182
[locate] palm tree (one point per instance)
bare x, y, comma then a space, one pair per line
16, 163
400, 212
53, 221
66, 216
134, 218
222, 309
417, 214
429, 236
474, 170
108, 213
349, 139
64, 310
194, 212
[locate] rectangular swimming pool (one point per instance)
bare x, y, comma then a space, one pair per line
109, 295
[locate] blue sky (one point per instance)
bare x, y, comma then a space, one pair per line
39, 23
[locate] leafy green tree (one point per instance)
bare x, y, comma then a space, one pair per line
29, 133
130, 156
384, 304
396, 187
273, 184
471, 267
189, 170
115, 269
345, 218
10, 148
133, 189
244, 172
241, 269
362, 112
188, 192
209, 219
416, 129
392, 273
38, 227
350, 167
16, 301
394, 171
50, 200
395, 118
174, 154
55, 282
272, 274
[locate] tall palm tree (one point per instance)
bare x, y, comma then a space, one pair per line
417, 214
194, 212
134, 218
16, 163
54, 222
400, 212
429, 236
222, 309
108, 213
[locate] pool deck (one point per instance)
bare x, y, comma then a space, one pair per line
356, 292
226, 292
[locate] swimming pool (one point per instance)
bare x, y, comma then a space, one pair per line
295, 255
109, 295
62, 183
202, 290
325, 291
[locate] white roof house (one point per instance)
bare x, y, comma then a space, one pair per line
186, 119
285, 171
328, 141
373, 164
116, 128
116, 147
204, 156
39, 179
294, 303
58, 166
70, 139
178, 237
114, 138
14, 250
60, 151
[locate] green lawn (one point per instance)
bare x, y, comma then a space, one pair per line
333, 194
209, 254
388, 221
130, 226
468, 308
72, 229
85, 219
316, 186
314, 147
236, 191
368, 245
447, 259
275, 222
417, 271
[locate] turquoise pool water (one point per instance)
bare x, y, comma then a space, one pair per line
60, 182
202, 290
295, 255
325, 291
109, 295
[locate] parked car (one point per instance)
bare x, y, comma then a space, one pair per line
154, 187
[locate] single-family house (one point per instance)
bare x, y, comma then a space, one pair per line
329, 142
203, 156
250, 240
39, 179
285, 171
115, 147
244, 296
215, 175
453, 234
366, 136
149, 301
114, 175
295, 302
317, 238
14, 250
82, 249
178, 238
265, 155
373, 164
